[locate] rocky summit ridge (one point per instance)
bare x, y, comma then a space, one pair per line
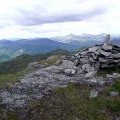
94, 58
81, 67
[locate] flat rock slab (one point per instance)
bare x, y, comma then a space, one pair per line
107, 47
93, 49
105, 53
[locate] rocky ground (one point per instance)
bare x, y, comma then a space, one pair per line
80, 68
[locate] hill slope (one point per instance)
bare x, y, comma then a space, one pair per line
19, 63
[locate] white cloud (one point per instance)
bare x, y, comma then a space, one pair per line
43, 18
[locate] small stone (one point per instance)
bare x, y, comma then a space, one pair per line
70, 72
5, 94
111, 76
68, 65
115, 74
93, 94
94, 56
92, 60
77, 55
114, 93
20, 103
90, 74
7, 100
84, 61
72, 58
72, 81
76, 62
87, 67
100, 80
93, 80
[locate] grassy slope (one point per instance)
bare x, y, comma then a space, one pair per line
11, 71
73, 103
20, 63
51, 60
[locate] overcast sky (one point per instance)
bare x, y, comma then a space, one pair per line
48, 18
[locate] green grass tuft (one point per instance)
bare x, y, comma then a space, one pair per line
51, 60
111, 70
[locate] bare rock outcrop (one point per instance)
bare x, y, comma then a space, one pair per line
80, 67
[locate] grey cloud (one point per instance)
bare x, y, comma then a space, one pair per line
34, 18
38, 30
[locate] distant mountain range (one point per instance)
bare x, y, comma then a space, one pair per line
81, 38
10, 49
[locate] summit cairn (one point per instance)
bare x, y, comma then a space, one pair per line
107, 40
107, 44
94, 58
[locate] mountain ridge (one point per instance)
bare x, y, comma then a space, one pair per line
11, 49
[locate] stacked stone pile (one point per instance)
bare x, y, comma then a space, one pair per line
99, 56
